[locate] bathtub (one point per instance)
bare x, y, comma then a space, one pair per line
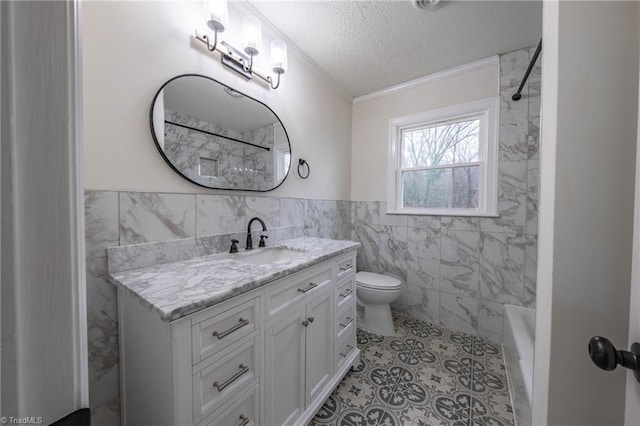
518, 334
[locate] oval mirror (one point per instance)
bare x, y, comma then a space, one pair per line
217, 137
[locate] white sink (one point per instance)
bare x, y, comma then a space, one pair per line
269, 255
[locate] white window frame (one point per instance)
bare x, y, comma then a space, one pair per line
488, 112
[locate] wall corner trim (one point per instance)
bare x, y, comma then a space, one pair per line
440, 75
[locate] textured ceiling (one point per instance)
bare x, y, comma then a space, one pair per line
371, 45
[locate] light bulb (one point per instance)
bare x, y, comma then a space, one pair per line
218, 15
252, 35
279, 56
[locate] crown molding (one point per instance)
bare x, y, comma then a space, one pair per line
440, 75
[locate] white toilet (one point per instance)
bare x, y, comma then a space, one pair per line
375, 293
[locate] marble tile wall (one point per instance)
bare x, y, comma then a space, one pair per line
124, 218
459, 271
239, 166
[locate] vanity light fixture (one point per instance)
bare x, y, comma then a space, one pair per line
242, 61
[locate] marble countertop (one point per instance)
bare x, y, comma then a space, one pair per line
177, 289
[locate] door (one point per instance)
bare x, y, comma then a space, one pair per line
320, 337
284, 373
632, 403
588, 140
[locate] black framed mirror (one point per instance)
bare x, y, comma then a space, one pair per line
217, 137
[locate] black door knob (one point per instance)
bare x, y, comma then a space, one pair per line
606, 356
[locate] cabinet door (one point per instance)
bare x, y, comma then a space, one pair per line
320, 338
284, 372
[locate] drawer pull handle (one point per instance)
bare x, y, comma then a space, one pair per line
346, 267
241, 323
349, 349
350, 320
245, 420
346, 293
243, 369
307, 321
311, 287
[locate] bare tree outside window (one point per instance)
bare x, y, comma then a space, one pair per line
440, 166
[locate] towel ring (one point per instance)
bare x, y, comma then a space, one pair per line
302, 163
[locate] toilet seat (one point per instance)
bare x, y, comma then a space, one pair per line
377, 281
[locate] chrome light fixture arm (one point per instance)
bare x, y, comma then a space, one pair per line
270, 81
205, 39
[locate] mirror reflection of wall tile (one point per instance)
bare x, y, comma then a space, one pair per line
208, 167
231, 164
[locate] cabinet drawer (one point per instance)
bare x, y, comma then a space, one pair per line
292, 291
222, 327
345, 347
222, 379
345, 324
243, 412
346, 266
345, 293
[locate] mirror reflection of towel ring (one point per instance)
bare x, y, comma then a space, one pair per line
302, 163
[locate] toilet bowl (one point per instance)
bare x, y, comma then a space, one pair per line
375, 293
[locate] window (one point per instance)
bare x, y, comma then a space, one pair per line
444, 162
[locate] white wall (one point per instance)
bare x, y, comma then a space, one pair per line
590, 99
370, 128
44, 356
132, 48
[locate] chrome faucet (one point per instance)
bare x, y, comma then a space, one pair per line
249, 240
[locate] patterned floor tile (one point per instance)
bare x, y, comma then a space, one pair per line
407, 390
424, 416
378, 355
484, 349
436, 379
486, 381
499, 406
424, 375
454, 408
375, 416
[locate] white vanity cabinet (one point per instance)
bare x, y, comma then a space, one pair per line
299, 345
270, 356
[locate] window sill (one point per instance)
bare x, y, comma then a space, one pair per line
436, 212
